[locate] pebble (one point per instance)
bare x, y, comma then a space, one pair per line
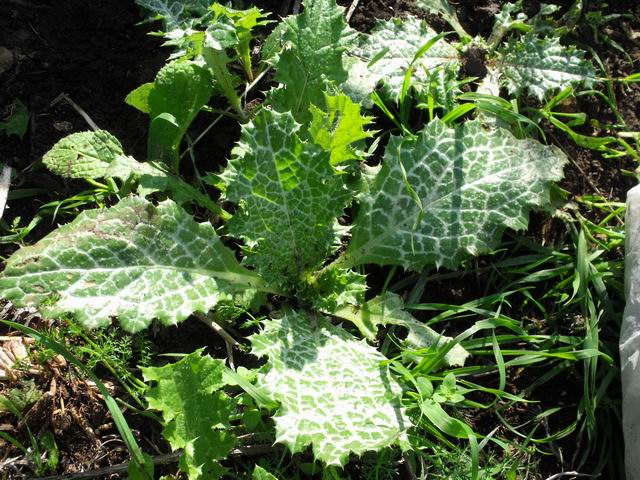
6, 59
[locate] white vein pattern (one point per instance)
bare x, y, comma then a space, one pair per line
450, 193
289, 197
541, 65
134, 261
401, 39
333, 390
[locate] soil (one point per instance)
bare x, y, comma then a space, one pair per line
94, 51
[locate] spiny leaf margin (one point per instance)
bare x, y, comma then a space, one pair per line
449, 193
134, 261
335, 392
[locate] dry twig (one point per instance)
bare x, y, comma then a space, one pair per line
63, 97
352, 9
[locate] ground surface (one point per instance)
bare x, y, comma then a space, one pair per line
94, 52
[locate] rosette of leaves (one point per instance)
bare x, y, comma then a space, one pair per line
436, 199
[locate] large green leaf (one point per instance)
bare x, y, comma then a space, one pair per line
335, 392
387, 53
134, 261
179, 91
388, 309
289, 197
541, 65
195, 411
449, 193
312, 58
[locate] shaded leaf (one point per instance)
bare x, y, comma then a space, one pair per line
18, 121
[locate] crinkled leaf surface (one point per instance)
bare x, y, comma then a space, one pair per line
179, 91
289, 197
541, 65
333, 288
449, 193
389, 51
388, 309
312, 58
134, 261
334, 392
99, 155
337, 127
180, 88
195, 411
83, 154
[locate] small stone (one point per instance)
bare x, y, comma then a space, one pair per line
6, 59
63, 126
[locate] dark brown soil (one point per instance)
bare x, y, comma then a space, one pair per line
90, 50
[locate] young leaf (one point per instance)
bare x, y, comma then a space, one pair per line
139, 98
338, 128
312, 57
245, 22
179, 91
388, 309
83, 154
449, 193
335, 392
135, 261
289, 197
195, 411
541, 65
389, 51
333, 288
504, 22
220, 36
